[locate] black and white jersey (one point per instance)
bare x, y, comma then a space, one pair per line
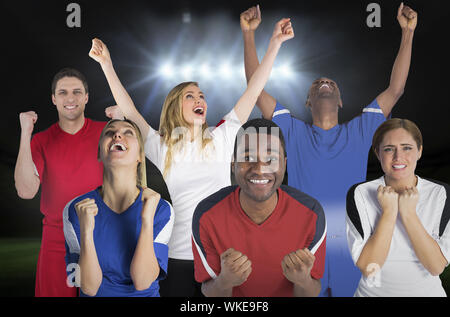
402, 273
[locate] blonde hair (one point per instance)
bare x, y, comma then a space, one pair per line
141, 174
172, 119
394, 124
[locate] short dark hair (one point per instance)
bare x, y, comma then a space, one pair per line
69, 72
257, 124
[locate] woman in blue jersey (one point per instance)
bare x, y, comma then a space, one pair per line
117, 234
397, 225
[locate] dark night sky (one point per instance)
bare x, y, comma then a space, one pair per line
332, 39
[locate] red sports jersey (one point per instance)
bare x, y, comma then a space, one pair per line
68, 167
219, 223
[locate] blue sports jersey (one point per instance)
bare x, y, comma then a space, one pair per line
324, 165
115, 239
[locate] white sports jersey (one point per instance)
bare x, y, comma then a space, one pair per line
402, 273
193, 176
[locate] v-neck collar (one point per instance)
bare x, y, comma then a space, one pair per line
247, 219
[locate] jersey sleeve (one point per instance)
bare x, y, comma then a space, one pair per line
318, 244
443, 240
358, 227
227, 129
289, 125
38, 156
162, 230
71, 229
367, 123
206, 257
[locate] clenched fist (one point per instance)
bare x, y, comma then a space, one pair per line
407, 201
86, 211
297, 266
114, 112
27, 121
250, 19
150, 200
99, 52
388, 199
235, 267
283, 30
407, 17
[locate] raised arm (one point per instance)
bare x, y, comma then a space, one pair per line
283, 31
144, 268
100, 53
407, 18
250, 21
26, 181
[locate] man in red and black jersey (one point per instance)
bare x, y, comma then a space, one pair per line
259, 237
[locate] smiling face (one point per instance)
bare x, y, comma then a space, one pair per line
193, 105
398, 154
70, 98
324, 89
119, 145
260, 166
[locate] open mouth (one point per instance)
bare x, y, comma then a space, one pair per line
72, 107
399, 167
117, 147
325, 86
199, 110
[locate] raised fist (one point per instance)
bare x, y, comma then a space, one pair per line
250, 19
114, 112
407, 17
283, 30
27, 121
99, 52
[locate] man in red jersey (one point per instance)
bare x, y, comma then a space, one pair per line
63, 159
259, 238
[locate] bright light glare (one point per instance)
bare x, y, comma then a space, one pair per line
167, 71
186, 71
286, 71
205, 71
225, 70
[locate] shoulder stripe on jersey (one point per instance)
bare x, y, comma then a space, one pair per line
446, 212
280, 112
220, 123
164, 235
202, 257
374, 110
352, 210
205, 205
69, 231
313, 205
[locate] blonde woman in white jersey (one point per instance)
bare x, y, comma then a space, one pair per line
397, 225
194, 160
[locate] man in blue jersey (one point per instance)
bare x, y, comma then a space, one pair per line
326, 158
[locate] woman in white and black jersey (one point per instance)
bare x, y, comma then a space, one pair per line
397, 225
